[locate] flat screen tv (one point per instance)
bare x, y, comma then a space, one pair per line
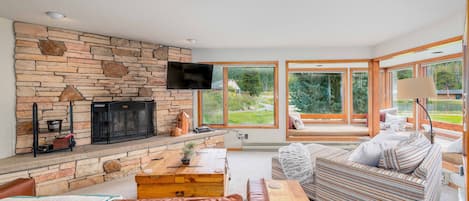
189, 76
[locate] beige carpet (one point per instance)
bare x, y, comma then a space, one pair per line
243, 165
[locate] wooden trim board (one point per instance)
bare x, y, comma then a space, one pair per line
419, 48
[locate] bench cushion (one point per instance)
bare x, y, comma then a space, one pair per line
327, 130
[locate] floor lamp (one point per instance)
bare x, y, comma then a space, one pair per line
415, 88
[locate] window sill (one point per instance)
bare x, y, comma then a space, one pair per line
447, 133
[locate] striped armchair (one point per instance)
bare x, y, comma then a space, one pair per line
340, 179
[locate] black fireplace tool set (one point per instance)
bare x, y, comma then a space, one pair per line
60, 142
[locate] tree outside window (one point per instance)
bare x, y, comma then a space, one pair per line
316, 93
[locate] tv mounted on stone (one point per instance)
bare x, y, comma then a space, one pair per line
189, 76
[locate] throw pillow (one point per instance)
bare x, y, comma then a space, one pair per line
296, 163
395, 122
382, 116
407, 155
369, 153
297, 122
385, 136
455, 146
383, 126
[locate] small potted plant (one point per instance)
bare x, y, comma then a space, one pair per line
187, 152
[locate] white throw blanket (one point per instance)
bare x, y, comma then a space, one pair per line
296, 163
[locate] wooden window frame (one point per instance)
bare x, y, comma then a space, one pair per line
225, 96
385, 83
340, 118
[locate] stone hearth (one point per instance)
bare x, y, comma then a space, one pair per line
59, 172
53, 64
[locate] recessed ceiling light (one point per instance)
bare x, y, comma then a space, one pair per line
191, 40
55, 15
437, 52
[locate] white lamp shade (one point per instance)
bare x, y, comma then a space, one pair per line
412, 88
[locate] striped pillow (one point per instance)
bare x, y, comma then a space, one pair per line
407, 156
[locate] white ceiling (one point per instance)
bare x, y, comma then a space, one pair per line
437, 51
241, 23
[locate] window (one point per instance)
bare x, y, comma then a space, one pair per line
360, 92
251, 96
404, 106
447, 106
383, 93
242, 95
212, 100
316, 92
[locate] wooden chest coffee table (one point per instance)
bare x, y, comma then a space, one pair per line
206, 176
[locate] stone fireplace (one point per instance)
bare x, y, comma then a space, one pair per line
121, 121
52, 64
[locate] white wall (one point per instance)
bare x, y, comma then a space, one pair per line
449, 27
273, 54
7, 87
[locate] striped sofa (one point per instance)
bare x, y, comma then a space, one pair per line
316, 151
336, 178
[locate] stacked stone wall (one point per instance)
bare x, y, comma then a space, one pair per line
54, 65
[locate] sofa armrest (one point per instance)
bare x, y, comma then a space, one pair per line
277, 171
340, 179
256, 190
18, 187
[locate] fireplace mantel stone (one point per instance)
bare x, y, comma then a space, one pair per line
59, 172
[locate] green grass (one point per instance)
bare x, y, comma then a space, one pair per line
251, 117
242, 117
453, 118
215, 118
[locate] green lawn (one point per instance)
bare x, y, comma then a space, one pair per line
454, 118
242, 117
251, 117
446, 117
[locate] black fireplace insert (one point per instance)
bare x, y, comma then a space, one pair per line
121, 121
